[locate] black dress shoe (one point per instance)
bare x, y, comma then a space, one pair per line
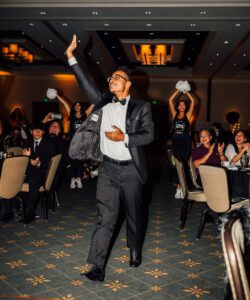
95, 274
135, 258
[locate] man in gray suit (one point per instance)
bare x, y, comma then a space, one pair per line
114, 133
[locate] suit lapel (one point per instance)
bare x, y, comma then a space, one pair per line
131, 106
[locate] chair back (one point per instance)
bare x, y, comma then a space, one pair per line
170, 157
215, 185
192, 171
181, 176
12, 176
14, 151
53, 166
233, 248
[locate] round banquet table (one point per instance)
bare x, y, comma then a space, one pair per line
239, 182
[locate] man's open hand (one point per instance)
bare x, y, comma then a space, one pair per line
116, 136
71, 47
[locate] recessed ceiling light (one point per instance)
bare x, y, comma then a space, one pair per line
106, 33
113, 47
192, 25
237, 25
189, 58
97, 62
147, 12
234, 64
64, 24
89, 53
94, 12
106, 24
23, 32
226, 42
151, 33
79, 41
211, 64
197, 33
217, 54
31, 24
50, 41
42, 13
149, 24
244, 54
203, 12
119, 57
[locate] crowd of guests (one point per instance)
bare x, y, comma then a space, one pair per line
208, 146
41, 141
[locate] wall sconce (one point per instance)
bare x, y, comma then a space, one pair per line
17, 54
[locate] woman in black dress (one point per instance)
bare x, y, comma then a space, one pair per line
181, 112
77, 116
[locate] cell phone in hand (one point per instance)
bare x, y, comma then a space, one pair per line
56, 116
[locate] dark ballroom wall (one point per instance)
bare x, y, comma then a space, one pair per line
21, 89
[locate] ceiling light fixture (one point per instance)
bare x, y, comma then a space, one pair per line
226, 42
15, 53
237, 25
42, 13
147, 12
149, 24
149, 54
106, 24
64, 24
94, 12
31, 24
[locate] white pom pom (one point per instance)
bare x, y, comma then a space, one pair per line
51, 94
183, 86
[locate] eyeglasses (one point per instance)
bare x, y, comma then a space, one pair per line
116, 77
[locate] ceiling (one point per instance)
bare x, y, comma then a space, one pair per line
216, 34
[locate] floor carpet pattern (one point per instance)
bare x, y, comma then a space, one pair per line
43, 260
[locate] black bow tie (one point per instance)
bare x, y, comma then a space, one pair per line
122, 101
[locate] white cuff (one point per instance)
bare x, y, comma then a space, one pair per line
126, 139
72, 61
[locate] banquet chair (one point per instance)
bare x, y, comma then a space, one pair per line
192, 171
232, 236
171, 162
215, 184
190, 196
45, 189
14, 151
12, 177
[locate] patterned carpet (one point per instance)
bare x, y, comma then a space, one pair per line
43, 260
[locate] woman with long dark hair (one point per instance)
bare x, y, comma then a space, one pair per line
181, 112
239, 149
77, 116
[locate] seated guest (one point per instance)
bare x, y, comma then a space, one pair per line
13, 139
207, 153
40, 150
239, 148
55, 135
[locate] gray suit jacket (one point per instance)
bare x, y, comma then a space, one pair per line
139, 126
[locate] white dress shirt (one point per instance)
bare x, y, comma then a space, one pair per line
113, 114
36, 143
